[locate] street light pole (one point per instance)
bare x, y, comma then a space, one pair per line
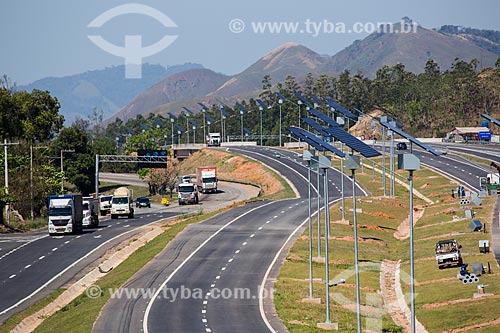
260, 109
352, 163
241, 116
280, 102
6, 170
307, 157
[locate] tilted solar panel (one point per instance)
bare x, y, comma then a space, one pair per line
411, 139
324, 118
352, 142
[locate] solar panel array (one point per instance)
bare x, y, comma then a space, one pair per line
320, 129
411, 138
203, 107
171, 115
491, 119
210, 119
352, 142
305, 139
224, 113
316, 100
222, 103
261, 104
324, 118
241, 107
314, 141
340, 109
247, 131
194, 122
179, 129
189, 112
303, 99
280, 96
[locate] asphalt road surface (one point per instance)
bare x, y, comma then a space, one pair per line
208, 278
34, 264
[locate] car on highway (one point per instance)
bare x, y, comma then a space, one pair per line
401, 146
142, 202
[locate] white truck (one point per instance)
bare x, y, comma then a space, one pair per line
213, 139
187, 193
65, 213
90, 212
121, 204
448, 253
105, 204
206, 179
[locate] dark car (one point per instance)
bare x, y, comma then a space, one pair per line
401, 146
142, 202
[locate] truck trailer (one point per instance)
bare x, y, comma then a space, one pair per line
121, 204
206, 179
65, 213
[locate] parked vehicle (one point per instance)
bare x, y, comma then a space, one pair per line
187, 193
90, 212
105, 204
206, 179
491, 183
65, 213
213, 139
142, 202
448, 253
121, 204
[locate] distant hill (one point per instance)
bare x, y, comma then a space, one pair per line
487, 39
288, 59
182, 86
411, 49
106, 89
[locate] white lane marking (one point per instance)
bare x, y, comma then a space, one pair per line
275, 216
54, 249
78, 236
126, 225
244, 243
203, 311
204, 320
217, 277
260, 228
208, 330
223, 269
12, 276
98, 236
66, 242
263, 283
205, 302
230, 260
63, 271
268, 221
212, 285
21, 246
27, 266
237, 251
252, 235
155, 296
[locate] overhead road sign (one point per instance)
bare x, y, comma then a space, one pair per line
203, 107
491, 119
320, 129
188, 112
340, 109
324, 118
313, 138
411, 139
352, 142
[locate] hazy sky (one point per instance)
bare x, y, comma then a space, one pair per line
41, 38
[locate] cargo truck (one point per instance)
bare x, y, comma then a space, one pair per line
90, 212
187, 193
105, 204
65, 213
121, 204
206, 179
213, 139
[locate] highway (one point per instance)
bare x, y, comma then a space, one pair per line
34, 264
213, 260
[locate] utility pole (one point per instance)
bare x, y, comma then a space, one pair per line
6, 167
62, 165
31, 177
